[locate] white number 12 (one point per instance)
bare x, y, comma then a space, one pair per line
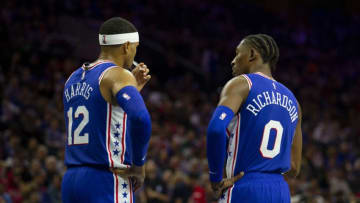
265, 152
84, 139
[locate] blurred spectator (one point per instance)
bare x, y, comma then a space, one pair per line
155, 188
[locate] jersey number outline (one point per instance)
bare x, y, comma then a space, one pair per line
84, 139
265, 152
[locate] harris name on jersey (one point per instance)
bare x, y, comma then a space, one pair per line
81, 89
266, 98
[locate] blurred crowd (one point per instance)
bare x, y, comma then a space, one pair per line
318, 62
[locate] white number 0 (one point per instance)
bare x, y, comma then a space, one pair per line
265, 152
77, 138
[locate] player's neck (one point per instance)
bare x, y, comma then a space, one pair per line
264, 69
119, 61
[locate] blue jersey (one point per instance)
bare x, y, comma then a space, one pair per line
261, 133
96, 130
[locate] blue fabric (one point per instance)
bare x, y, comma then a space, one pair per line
86, 92
87, 184
269, 98
216, 141
133, 104
259, 188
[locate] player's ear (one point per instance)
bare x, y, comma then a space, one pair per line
126, 47
252, 56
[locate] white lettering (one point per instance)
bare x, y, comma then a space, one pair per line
257, 104
72, 91
82, 88
285, 100
273, 98
294, 117
77, 88
278, 98
261, 104
67, 96
289, 105
89, 90
267, 98
252, 108
282, 100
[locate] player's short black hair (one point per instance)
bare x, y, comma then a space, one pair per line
116, 25
266, 46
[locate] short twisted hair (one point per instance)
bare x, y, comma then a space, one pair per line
266, 46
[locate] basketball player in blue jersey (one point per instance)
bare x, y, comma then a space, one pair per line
108, 125
255, 131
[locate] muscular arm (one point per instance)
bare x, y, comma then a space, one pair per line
119, 85
232, 96
234, 93
296, 148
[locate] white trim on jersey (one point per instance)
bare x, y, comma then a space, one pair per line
108, 124
69, 77
122, 190
117, 135
103, 73
248, 80
96, 63
227, 195
93, 65
265, 76
234, 128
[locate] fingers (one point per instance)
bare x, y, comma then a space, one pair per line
237, 177
137, 183
147, 78
122, 172
229, 182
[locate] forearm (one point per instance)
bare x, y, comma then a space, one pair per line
140, 123
216, 142
140, 132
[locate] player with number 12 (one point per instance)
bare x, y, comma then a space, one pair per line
108, 125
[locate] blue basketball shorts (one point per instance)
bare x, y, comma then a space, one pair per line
95, 185
258, 188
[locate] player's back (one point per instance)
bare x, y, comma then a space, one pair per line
260, 135
96, 130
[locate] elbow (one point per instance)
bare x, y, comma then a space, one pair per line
295, 169
141, 120
214, 131
144, 120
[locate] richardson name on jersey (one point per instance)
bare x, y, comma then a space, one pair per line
267, 98
81, 89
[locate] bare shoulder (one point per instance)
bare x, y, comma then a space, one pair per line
237, 85
234, 93
118, 74
115, 79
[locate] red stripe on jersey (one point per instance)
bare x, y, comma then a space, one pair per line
236, 144
98, 63
228, 132
123, 139
228, 197
117, 188
130, 191
248, 80
109, 135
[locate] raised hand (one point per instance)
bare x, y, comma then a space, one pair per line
140, 73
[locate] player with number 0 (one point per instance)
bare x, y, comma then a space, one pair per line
256, 129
